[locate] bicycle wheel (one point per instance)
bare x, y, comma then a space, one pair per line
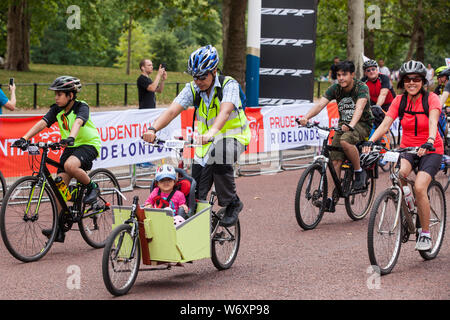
358, 205
27, 209
443, 177
3, 187
95, 228
224, 243
310, 197
438, 217
384, 233
118, 269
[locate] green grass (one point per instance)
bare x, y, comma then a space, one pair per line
110, 95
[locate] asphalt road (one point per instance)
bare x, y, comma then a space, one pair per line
276, 260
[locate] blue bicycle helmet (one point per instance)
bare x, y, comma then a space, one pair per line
203, 60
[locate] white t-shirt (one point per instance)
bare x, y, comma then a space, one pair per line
385, 71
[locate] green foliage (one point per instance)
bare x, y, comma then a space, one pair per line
140, 47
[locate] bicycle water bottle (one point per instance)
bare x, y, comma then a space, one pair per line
63, 189
409, 198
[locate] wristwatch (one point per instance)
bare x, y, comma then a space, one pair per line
152, 128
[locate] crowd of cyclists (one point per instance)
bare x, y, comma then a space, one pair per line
223, 130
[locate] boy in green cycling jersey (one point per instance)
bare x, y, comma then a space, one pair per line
78, 134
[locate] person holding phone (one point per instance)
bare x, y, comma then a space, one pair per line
4, 101
147, 87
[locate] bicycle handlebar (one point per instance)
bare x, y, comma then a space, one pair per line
317, 125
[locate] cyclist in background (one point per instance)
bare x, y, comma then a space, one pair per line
222, 120
78, 133
443, 74
381, 91
355, 121
418, 130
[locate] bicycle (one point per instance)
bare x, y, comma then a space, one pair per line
3, 187
150, 234
312, 188
30, 207
391, 222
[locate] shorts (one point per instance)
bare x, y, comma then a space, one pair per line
430, 163
360, 133
85, 153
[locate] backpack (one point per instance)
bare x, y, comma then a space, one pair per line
442, 123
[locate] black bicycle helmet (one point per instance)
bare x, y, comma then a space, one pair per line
370, 64
445, 72
410, 67
66, 84
368, 159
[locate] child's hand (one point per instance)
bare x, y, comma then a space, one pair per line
185, 207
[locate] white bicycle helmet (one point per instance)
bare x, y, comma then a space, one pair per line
369, 64
410, 67
165, 171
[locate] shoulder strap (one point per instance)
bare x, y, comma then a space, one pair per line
402, 107
426, 106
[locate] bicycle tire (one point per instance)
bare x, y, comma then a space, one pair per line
16, 220
319, 198
437, 234
3, 187
377, 257
113, 246
443, 177
223, 255
95, 229
350, 202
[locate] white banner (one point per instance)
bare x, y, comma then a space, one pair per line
281, 132
120, 134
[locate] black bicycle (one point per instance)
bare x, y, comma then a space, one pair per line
312, 188
29, 218
3, 187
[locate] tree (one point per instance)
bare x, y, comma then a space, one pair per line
234, 39
355, 34
140, 42
18, 43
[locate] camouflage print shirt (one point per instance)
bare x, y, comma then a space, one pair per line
346, 102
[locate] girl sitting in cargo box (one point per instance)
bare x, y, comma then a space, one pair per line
165, 195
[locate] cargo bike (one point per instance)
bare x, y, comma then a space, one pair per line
150, 236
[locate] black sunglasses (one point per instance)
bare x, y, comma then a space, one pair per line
202, 77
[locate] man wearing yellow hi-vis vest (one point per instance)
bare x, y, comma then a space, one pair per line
222, 126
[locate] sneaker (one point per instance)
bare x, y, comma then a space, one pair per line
330, 206
360, 180
91, 194
423, 243
231, 213
60, 236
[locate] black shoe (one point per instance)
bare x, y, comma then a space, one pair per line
60, 236
231, 213
360, 180
329, 206
91, 194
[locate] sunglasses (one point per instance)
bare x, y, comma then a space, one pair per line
371, 69
202, 77
65, 122
413, 79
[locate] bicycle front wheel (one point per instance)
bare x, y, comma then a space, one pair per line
224, 242
384, 233
95, 228
438, 216
119, 268
310, 197
28, 208
443, 177
3, 187
358, 204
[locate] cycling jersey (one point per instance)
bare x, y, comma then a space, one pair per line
88, 134
440, 90
408, 123
382, 82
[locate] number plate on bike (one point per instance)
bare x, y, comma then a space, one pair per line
174, 144
33, 150
391, 156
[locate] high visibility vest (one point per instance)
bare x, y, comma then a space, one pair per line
236, 126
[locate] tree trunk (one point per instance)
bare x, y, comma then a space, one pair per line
355, 34
129, 44
369, 44
234, 52
420, 44
18, 42
226, 8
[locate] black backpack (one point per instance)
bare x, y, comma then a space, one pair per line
442, 123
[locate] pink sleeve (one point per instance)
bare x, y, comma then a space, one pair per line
434, 102
151, 197
393, 108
